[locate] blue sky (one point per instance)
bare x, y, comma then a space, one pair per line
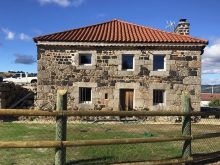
20, 20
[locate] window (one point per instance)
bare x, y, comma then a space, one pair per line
159, 62
32, 75
158, 97
85, 59
127, 62
16, 75
106, 95
85, 95
23, 75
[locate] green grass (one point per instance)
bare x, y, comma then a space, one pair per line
100, 154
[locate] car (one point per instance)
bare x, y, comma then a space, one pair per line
210, 109
22, 78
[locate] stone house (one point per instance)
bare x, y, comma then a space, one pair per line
117, 65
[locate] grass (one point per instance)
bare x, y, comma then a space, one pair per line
100, 154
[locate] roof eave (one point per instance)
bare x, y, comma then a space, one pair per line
119, 43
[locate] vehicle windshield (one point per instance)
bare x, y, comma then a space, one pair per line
32, 75
16, 75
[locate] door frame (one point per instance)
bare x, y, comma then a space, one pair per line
124, 99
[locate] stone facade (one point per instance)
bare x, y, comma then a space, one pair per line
59, 68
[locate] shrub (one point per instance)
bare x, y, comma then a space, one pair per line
214, 102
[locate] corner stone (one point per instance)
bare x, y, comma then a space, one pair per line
191, 80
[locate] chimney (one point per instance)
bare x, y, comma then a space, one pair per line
182, 27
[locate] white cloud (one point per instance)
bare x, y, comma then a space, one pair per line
24, 59
62, 3
77, 3
211, 58
9, 34
24, 37
210, 81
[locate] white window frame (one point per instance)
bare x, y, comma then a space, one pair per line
164, 97
85, 54
132, 61
80, 95
164, 62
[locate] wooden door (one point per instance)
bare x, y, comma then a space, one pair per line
126, 99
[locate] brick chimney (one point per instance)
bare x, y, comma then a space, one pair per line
182, 27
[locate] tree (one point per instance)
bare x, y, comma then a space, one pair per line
214, 102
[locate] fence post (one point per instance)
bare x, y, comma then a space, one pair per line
61, 125
186, 126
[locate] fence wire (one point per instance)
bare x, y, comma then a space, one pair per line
43, 128
206, 125
128, 152
26, 130
27, 156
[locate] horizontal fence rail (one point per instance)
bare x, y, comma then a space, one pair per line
80, 143
60, 144
26, 112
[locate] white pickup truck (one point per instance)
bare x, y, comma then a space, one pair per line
22, 78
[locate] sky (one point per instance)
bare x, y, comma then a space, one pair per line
21, 20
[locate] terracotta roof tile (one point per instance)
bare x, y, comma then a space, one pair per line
209, 96
119, 31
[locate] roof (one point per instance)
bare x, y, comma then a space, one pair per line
117, 31
209, 96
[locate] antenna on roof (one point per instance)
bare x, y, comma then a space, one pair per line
170, 25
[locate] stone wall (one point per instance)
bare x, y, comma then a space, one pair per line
58, 68
10, 93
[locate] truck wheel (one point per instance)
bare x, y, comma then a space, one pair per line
33, 81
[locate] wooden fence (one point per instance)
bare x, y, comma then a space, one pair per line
60, 144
